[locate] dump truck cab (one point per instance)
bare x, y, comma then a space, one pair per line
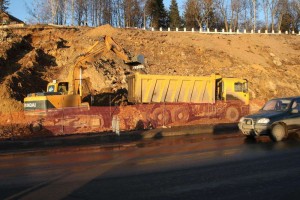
232, 89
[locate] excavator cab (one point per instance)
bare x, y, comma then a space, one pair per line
62, 87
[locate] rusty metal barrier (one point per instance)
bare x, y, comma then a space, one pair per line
131, 117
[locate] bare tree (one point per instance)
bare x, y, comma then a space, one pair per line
62, 12
265, 6
245, 10
72, 12
132, 13
294, 13
192, 14
95, 12
206, 13
39, 12
254, 9
107, 11
282, 9
273, 9
236, 7
119, 12
221, 5
54, 9
80, 10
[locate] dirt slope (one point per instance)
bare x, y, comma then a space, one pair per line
32, 56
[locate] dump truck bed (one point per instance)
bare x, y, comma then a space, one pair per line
145, 88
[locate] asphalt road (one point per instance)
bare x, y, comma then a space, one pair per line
189, 167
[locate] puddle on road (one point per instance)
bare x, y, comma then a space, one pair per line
205, 141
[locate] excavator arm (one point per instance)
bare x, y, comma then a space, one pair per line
89, 56
74, 76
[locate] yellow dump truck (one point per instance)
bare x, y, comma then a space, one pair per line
152, 100
182, 97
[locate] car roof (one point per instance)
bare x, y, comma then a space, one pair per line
287, 98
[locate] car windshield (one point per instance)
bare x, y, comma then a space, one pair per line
277, 105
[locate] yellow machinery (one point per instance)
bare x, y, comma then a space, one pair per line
166, 99
145, 88
69, 93
179, 98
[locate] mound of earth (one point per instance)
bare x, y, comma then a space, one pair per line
30, 57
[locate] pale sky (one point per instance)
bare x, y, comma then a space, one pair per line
18, 9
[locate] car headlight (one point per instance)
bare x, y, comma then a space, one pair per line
263, 121
242, 119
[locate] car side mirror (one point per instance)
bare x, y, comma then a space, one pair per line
295, 111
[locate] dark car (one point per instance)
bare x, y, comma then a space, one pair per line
277, 118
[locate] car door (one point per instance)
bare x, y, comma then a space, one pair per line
293, 119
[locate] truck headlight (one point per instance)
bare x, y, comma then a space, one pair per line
242, 119
263, 121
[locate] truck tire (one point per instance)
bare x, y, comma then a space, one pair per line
180, 114
161, 116
232, 114
35, 127
278, 132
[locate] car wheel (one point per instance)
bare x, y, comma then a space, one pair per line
278, 132
250, 137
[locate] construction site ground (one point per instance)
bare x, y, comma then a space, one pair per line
32, 56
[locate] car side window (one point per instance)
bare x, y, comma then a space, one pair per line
296, 105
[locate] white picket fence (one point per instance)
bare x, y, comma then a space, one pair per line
215, 31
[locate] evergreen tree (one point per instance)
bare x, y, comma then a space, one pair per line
4, 5
155, 9
174, 17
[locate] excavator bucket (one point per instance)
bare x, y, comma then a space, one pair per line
111, 44
136, 60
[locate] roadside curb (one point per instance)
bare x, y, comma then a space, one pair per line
104, 138
189, 130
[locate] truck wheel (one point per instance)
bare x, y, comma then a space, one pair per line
180, 114
278, 132
35, 127
232, 114
161, 116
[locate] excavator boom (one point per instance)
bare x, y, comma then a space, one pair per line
112, 45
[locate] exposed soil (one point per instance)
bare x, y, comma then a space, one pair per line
31, 57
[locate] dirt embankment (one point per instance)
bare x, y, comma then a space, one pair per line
31, 57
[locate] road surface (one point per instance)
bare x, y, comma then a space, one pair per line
188, 167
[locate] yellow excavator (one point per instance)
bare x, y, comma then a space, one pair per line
69, 93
